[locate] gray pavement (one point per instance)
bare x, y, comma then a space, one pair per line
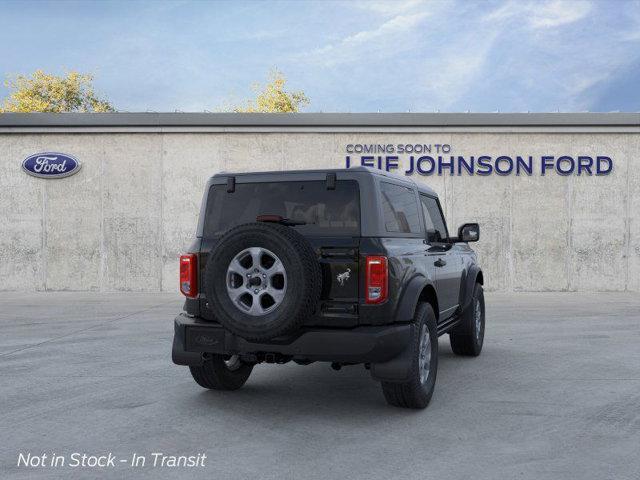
554, 395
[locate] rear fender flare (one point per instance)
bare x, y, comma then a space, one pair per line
409, 300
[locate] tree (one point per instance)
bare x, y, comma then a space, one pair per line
43, 92
273, 98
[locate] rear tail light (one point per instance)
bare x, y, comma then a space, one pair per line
377, 279
189, 275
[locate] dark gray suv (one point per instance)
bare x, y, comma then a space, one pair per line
350, 266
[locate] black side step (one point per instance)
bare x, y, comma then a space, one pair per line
448, 324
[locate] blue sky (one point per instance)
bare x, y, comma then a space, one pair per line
348, 56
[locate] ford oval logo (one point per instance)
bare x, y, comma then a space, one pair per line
51, 165
206, 340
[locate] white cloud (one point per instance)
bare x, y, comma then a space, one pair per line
392, 27
458, 67
539, 15
564, 69
391, 37
522, 55
556, 13
506, 11
578, 84
393, 7
632, 15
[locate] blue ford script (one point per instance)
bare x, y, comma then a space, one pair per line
51, 165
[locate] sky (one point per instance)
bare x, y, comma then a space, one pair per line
347, 56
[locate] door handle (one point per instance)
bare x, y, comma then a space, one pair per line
440, 263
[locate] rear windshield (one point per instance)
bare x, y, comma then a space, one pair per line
325, 212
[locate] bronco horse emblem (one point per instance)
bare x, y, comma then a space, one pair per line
343, 277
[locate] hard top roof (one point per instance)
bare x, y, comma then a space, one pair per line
359, 169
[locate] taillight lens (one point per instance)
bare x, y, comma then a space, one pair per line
377, 279
189, 275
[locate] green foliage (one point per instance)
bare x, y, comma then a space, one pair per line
273, 98
42, 92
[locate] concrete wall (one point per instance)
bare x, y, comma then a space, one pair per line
121, 222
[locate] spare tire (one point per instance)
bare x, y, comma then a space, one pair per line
262, 280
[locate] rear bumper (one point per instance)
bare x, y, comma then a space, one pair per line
375, 344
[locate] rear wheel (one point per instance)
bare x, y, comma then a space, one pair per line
468, 337
222, 372
417, 392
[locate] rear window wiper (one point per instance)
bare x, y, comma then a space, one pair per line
279, 219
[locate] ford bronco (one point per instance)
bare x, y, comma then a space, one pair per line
348, 266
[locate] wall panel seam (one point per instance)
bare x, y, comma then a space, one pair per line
161, 234
45, 256
627, 222
102, 234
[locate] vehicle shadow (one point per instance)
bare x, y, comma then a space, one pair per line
294, 392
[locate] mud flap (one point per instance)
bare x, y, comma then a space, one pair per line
398, 369
178, 353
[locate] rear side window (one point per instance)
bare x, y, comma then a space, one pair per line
436, 227
400, 209
325, 212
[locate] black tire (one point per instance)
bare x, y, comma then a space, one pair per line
416, 393
467, 338
216, 374
303, 284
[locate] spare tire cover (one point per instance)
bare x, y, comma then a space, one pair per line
262, 280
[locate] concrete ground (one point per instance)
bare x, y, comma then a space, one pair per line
555, 394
